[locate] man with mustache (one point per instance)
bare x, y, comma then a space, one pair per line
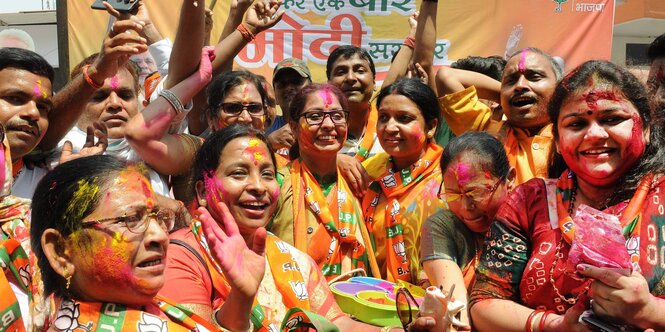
527, 84
25, 100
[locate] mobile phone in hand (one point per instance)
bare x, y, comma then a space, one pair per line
123, 6
599, 325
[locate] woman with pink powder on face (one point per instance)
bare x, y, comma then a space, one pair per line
612, 150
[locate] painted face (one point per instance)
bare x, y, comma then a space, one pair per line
246, 93
401, 129
115, 264
287, 83
475, 194
656, 82
527, 85
245, 181
114, 104
326, 137
601, 134
25, 100
354, 77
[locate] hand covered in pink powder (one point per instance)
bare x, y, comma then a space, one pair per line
621, 298
204, 73
242, 266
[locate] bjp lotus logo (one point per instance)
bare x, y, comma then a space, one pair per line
558, 5
150, 323
400, 251
300, 289
67, 318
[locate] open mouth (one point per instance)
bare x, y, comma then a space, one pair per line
598, 152
327, 138
522, 101
254, 206
150, 263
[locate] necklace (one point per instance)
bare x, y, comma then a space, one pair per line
573, 195
569, 300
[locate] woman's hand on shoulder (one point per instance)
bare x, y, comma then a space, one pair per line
354, 173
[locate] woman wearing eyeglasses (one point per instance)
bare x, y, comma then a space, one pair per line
408, 178
100, 242
317, 212
477, 178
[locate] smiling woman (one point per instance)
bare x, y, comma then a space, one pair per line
613, 152
100, 242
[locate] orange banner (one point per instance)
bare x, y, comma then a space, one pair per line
571, 29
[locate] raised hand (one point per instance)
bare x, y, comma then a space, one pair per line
243, 267
262, 16
122, 42
413, 23
204, 73
417, 71
139, 14
90, 148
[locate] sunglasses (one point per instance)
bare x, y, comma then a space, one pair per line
235, 109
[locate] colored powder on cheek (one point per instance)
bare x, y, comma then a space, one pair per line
275, 194
221, 123
115, 82
463, 173
111, 262
214, 189
522, 64
637, 145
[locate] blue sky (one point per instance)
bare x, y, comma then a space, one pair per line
15, 6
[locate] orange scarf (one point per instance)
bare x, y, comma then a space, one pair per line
631, 217
368, 139
289, 281
95, 316
393, 186
340, 223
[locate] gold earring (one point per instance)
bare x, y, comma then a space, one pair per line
68, 278
203, 202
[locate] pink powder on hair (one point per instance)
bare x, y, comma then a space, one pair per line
115, 82
522, 64
488, 174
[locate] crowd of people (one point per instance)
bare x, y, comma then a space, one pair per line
481, 177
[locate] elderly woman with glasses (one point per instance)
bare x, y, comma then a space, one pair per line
477, 179
317, 212
100, 239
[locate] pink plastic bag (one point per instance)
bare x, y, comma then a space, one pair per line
598, 241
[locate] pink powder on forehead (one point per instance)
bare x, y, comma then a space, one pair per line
522, 64
327, 98
115, 82
245, 92
464, 174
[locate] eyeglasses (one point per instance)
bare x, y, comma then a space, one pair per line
317, 117
137, 223
477, 196
235, 109
406, 305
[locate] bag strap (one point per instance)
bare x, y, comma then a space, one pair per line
199, 257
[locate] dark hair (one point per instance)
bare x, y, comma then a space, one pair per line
221, 85
297, 106
486, 148
62, 199
130, 66
270, 103
208, 157
556, 67
489, 66
345, 52
656, 48
604, 71
421, 94
12, 57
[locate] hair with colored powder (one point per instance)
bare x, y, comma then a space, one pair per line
627, 86
483, 148
300, 101
209, 155
346, 52
222, 84
130, 66
19, 58
419, 93
62, 199
556, 67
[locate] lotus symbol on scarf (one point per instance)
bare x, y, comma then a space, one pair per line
300, 289
400, 251
150, 323
67, 318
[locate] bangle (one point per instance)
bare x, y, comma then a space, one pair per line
173, 100
222, 328
543, 319
246, 34
89, 80
410, 42
528, 326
